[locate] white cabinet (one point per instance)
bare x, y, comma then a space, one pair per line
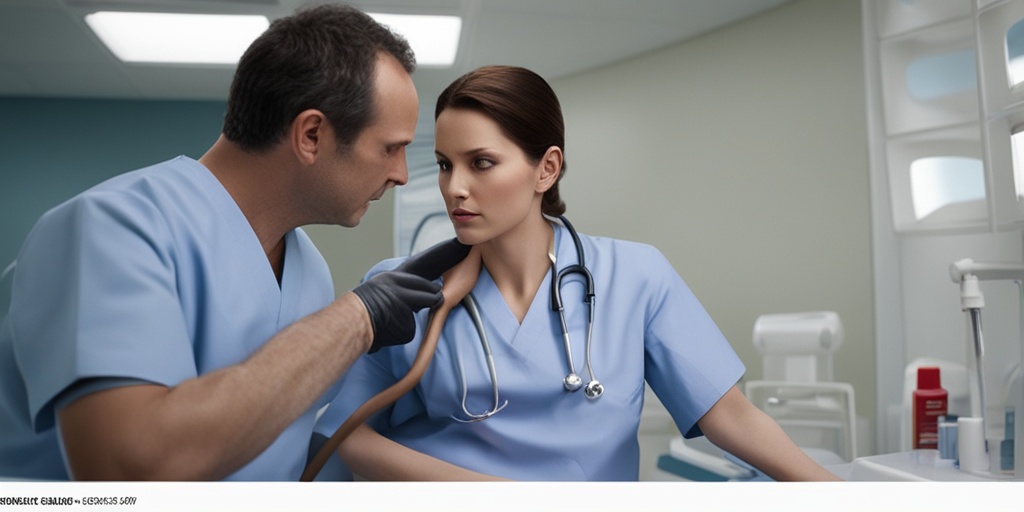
946, 80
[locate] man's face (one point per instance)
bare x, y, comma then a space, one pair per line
375, 161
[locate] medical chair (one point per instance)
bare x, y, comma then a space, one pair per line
796, 391
818, 416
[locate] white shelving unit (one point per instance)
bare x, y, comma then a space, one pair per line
950, 110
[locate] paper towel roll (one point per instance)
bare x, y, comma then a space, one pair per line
971, 445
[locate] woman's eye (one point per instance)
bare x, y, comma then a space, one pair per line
443, 166
482, 163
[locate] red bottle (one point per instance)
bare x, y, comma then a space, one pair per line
930, 402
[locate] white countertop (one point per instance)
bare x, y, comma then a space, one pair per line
917, 465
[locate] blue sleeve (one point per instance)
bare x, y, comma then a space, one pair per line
687, 360
96, 297
369, 375
362, 381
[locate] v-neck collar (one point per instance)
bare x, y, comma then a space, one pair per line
498, 313
249, 248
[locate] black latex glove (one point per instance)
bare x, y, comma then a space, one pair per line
392, 297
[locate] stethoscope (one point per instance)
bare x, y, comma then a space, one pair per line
572, 381
469, 302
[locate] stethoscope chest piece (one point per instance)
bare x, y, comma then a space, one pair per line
572, 382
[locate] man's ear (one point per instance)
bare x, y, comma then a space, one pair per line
550, 169
307, 134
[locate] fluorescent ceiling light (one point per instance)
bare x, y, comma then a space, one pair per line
176, 38
222, 39
434, 39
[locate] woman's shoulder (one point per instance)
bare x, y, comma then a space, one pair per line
629, 250
384, 266
631, 261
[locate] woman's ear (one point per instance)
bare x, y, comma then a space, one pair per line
550, 169
307, 133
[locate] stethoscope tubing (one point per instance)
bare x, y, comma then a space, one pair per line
572, 382
469, 302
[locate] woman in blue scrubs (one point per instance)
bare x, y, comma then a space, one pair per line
500, 150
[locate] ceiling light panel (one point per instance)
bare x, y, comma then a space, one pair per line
434, 39
176, 38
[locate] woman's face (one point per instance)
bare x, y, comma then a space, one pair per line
489, 185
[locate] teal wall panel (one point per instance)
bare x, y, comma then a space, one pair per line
52, 149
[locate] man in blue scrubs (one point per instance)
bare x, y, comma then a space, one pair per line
174, 322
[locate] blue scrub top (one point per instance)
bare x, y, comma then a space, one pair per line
649, 327
153, 276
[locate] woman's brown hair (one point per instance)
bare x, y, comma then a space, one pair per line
525, 108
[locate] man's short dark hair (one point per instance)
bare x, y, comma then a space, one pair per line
320, 58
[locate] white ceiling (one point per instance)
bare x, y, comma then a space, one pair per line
46, 49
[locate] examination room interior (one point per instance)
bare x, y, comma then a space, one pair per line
743, 153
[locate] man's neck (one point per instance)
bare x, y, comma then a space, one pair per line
258, 185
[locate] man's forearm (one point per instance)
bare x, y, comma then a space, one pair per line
209, 427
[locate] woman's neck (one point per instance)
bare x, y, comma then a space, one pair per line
518, 261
